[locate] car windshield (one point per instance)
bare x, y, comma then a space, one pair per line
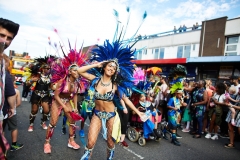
21, 63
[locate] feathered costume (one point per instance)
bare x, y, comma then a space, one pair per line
177, 74
138, 75
36, 71
40, 89
61, 71
123, 57
141, 85
176, 82
122, 54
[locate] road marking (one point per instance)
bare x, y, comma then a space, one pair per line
138, 155
127, 149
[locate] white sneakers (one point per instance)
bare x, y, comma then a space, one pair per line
215, 137
208, 136
24, 99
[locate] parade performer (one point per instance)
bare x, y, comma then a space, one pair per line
40, 81
114, 59
116, 78
65, 76
175, 102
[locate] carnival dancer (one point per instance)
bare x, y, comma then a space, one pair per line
175, 102
116, 69
40, 81
115, 60
105, 87
65, 76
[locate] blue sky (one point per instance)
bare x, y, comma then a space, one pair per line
92, 21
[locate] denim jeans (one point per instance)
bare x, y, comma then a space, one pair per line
198, 124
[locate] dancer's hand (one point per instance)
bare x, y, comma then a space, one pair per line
143, 116
75, 110
67, 109
100, 64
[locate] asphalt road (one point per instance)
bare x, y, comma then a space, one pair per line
197, 149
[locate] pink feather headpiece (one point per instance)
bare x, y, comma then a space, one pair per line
60, 70
138, 75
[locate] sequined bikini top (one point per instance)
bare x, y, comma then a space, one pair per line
104, 97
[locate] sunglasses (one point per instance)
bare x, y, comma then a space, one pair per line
47, 68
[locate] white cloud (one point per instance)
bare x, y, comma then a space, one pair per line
224, 7
234, 1
89, 20
199, 9
161, 1
84, 21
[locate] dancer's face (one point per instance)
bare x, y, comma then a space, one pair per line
110, 68
73, 72
46, 70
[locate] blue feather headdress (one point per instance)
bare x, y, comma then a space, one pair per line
122, 54
123, 57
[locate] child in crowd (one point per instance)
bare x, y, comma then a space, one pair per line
144, 106
231, 98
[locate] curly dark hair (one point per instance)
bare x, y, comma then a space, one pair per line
114, 80
221, 87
